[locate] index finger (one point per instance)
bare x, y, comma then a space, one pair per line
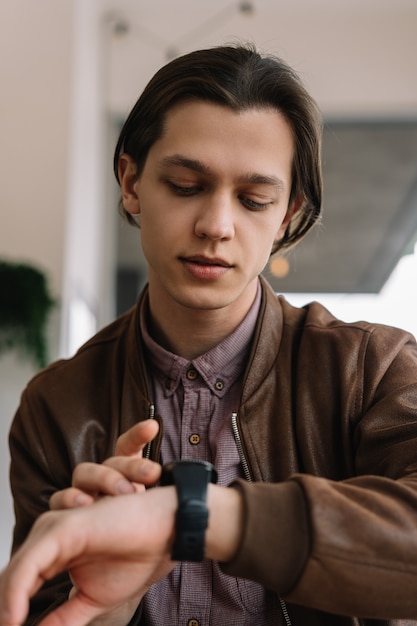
136, 438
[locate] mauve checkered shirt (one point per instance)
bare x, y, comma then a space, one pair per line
196, 400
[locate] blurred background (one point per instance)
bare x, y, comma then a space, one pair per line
71, 69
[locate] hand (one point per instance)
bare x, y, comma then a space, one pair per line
126, 472
130, 535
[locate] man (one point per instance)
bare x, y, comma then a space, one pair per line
310, 423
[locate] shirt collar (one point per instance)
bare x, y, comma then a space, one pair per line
218, 368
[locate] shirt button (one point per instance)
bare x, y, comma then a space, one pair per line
194, 439
192, 374
193, 622
219, 384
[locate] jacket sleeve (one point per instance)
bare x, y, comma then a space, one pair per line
32, 483
349, 546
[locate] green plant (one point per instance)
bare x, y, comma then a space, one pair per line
25, 303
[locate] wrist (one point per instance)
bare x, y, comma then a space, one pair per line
225, 528
224, 532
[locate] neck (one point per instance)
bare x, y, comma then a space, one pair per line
190, 332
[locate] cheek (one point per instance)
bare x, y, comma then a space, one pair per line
257, 244
265, 240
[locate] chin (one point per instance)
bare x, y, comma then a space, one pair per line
205, 304
203, 300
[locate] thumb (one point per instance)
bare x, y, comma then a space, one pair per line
136, 438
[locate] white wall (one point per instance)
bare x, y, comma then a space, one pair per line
88, 299
52, 193
35, 65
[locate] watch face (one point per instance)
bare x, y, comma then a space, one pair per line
167, 477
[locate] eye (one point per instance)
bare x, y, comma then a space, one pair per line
184, 190
252, 205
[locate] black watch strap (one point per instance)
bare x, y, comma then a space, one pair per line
191, 479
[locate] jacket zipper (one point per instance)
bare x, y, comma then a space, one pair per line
248, 478
151, 416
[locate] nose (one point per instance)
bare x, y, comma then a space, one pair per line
215, 219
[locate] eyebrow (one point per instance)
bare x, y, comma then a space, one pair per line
195, 165
183, 161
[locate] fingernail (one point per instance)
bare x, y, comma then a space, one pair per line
146, 468
124, 486
82, 499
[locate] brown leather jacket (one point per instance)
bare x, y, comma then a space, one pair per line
328, 429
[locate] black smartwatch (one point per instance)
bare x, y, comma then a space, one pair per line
191, 479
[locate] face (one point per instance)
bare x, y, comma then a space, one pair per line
212, 197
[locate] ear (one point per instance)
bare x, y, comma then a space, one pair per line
127, 171
292, 210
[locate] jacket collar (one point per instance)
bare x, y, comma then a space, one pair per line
266, 341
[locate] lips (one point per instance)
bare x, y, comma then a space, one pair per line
205, 268
203, 260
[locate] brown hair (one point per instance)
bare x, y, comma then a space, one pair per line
240, 78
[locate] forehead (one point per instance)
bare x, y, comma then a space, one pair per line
258, 138
202, 112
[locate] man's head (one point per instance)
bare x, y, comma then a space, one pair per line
239, 78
